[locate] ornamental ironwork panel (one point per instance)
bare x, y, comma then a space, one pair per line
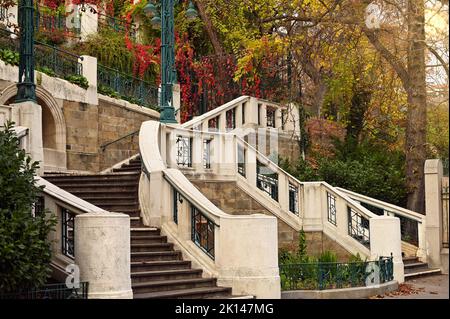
241, 160
68, 232
293, 199
335, 275
267, 180
445, 216
202, 232
358, 227
184, 151
231, 119
39, 206
60, 62
52, 291
124, 86
331, 204
176, 199
206, 153
270, 113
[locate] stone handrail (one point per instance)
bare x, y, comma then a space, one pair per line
352, 225
386, 207
247, 112
241, 251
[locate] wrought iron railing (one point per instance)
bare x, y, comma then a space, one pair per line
320, 276
293, 199
121, 85
68, 232
49, 59
445, 166
358, 227
445, 216
203, 231
184, 151
267, 180
270, 113
207, 153
39, 206
331, 205
57, 21
241, 159
52, 291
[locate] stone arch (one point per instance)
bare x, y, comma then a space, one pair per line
53, 125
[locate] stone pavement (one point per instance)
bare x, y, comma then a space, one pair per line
431, 287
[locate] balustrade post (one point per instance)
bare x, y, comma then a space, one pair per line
262, 115
197, 151
278, 119
250, 166
433, 205
102, 252
238, 115
88, 23
89, 71
385, 239
222, 122
283, 191
313, 206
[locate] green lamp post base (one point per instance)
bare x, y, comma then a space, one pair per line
167, 115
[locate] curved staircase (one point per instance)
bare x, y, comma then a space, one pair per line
157, 269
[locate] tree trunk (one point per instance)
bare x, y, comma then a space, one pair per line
210, 29
417, 107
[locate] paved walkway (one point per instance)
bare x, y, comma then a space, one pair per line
431, 287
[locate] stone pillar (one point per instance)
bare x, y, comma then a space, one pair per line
176, 91
433, 209
89, 23
251, 112
283, 192
102, 252
313, 206
89, 65
385, 239
247, 255
29, 114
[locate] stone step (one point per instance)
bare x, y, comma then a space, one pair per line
160, 265
136, 169
415, 265
118, 208
100, 193
197, 293
144, 231
89, 187
410, 260
131, 176
177, 284
159, 275
421, 272
148, 239
136, 222
155, 256
151, 247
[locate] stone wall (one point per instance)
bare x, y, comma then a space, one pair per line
91, 126
231, 199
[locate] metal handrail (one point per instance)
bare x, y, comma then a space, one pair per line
104, 146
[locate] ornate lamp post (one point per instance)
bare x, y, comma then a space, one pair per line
168, 70
26, 89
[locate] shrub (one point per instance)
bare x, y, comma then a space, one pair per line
79, 80
9, 57
25, 251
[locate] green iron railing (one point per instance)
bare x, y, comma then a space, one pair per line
445, 166
320, 276
52, 291
49, 59
121, 85
52, 22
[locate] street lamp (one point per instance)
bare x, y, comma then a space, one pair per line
26, 89
168, 70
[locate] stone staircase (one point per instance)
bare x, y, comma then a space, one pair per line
157, 269
415, 268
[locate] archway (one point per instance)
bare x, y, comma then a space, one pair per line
53, 127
